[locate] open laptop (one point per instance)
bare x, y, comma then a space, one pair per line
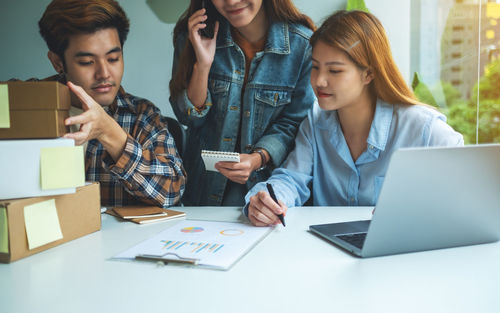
432, 198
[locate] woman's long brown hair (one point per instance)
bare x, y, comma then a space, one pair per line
362, 37
276, 10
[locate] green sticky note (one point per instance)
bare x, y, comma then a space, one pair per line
62, 167
42, 223
4, 231
4, 106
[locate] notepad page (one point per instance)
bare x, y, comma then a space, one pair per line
212, 157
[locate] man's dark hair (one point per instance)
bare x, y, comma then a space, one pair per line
65, 18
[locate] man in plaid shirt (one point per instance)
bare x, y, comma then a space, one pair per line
129, 149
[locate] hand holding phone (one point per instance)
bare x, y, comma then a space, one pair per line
211, 13
204, 47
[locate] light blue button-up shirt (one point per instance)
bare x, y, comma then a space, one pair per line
322, 157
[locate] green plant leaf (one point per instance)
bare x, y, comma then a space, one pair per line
356, 5
422, 92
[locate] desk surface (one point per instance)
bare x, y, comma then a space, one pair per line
274, 277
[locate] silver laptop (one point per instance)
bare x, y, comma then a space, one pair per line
432, 198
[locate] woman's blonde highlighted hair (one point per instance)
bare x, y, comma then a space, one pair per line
362, 37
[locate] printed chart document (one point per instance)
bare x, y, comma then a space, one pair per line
216, 245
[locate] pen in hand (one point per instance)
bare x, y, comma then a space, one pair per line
271, 192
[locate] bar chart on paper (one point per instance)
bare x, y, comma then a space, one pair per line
214, 244
190, 246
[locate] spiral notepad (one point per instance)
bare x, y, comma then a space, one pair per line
212, 157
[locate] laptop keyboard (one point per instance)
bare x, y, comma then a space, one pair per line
356, 240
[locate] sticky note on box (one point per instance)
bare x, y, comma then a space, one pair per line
4, 231
20, 162
42, 223
62, 167
35, 109
4, 107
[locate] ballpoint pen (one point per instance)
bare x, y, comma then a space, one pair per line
271, 192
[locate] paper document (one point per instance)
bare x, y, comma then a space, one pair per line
215, 245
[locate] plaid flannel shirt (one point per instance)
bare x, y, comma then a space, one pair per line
149, 170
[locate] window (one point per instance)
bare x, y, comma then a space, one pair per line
461, 68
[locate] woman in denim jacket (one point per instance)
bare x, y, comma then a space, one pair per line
245, 90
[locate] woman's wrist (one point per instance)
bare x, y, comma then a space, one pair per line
262, 156
255, 161
202, 69
198, 85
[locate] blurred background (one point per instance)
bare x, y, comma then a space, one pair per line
448, 51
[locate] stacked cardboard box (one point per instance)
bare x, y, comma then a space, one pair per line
43, 197
37, 110
78, 213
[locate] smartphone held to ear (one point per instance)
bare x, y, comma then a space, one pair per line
211, 13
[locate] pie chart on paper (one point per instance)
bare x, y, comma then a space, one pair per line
232, 232
192, 229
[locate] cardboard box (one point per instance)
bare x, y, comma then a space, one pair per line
37, 110
79, 214
20, 168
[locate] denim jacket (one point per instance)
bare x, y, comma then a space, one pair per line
276, 99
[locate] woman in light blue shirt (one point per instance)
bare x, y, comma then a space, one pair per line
365, 111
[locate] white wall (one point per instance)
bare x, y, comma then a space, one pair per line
148, 50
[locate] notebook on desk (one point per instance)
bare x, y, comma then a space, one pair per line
144, 214
432, 198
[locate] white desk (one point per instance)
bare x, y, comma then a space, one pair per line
274, 277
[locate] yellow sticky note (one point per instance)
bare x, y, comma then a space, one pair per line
4, 106
4, 231
62, 167
42, 223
